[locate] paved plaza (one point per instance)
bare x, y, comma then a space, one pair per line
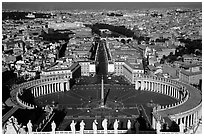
124, 102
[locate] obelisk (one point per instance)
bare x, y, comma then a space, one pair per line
102, 93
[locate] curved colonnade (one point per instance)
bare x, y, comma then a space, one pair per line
38, 88
188, 108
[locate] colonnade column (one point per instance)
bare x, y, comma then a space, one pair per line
49, 90
45, 88
194, 118
162, 88
184, 121
42, 90
159, 85
50, 85
67, 86
180, 96
152, 84
187, 118
62, 86
34, 92
136, 85
53, 87
144, 82
172, 91
168, 89
190, 123
39, 93
146, 85
176, 93
165, 89
142, 85
155, 87
149, 86
56, 87
59, 87
39, 90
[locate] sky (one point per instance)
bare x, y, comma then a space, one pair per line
95, 5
